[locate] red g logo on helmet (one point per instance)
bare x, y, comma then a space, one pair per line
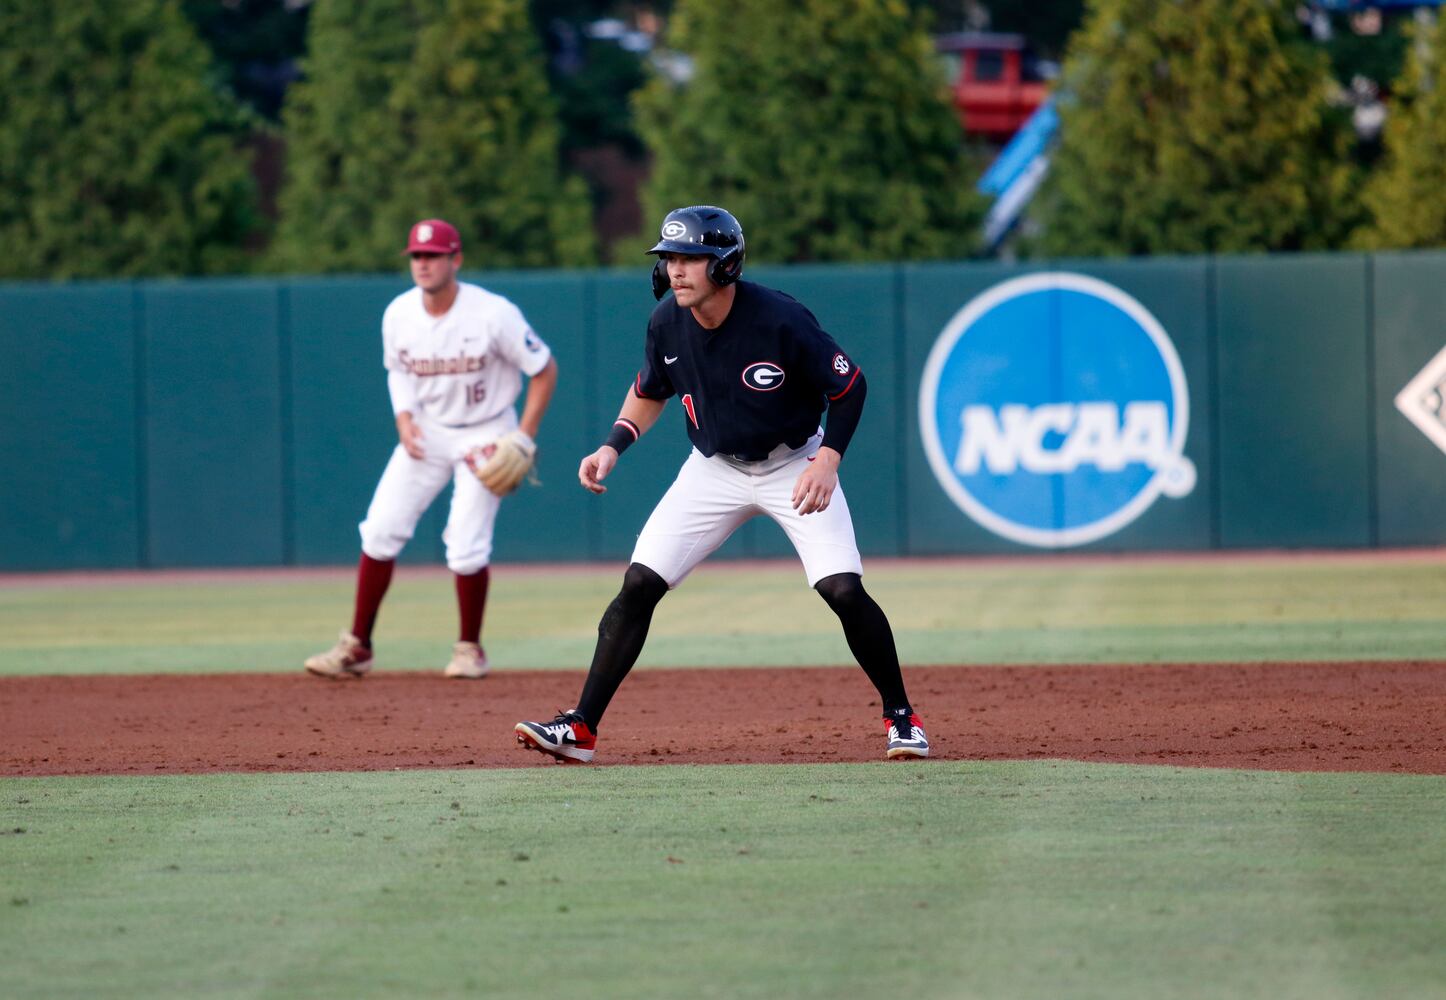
763, 376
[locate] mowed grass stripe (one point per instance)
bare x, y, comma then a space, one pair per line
1340, 641
1090, 611
941, 879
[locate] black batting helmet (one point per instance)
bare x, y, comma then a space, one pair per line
699, 230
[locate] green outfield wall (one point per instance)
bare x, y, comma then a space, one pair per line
245, 422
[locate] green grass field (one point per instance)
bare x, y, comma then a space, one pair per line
1345, 607
939, 879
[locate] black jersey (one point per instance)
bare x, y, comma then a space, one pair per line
761, 379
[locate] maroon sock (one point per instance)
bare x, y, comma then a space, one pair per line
471, 600
373, 576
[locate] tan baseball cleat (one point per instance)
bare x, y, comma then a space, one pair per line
348, 658
468, 661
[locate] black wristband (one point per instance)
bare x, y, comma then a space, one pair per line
623, 434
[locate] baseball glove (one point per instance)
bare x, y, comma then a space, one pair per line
502, 465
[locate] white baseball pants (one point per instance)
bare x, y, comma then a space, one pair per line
712, 497
408, 486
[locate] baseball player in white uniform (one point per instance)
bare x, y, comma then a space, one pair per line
455, 355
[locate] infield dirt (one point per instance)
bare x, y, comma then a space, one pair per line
1279, 716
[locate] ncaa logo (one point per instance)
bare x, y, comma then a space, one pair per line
672, 230
1054, 410
764, 376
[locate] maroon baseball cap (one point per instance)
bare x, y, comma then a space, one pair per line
433, 236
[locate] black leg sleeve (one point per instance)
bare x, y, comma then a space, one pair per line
620, 638
869, 636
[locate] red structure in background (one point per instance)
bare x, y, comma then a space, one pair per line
995, 81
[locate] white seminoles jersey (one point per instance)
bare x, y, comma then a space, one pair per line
461, 368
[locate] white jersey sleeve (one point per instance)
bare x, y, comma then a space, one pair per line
400, 385
519, 343
403, 393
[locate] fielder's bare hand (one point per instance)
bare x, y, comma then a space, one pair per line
814, 488
410, 435
595, 467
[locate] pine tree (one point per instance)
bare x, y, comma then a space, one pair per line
1407, 196
823, 125
1195, 126
118, 156
426, 108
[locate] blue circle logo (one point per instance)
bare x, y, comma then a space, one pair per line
1054, 410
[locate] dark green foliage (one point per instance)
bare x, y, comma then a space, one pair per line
118, 156
256, 44
1407, 195
1379, 57
578, 11
595, 99
822, 124
426, 108
1047, 24
1195, 126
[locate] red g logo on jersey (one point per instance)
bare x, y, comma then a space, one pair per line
841, 364
764, 376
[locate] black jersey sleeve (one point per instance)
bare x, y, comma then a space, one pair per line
843, 416
653, 381
834, 375
826, 365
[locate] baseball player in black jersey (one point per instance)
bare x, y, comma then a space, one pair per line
754, 373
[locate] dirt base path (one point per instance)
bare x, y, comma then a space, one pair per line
1307, 716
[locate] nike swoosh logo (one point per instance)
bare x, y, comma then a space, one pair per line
668, 361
